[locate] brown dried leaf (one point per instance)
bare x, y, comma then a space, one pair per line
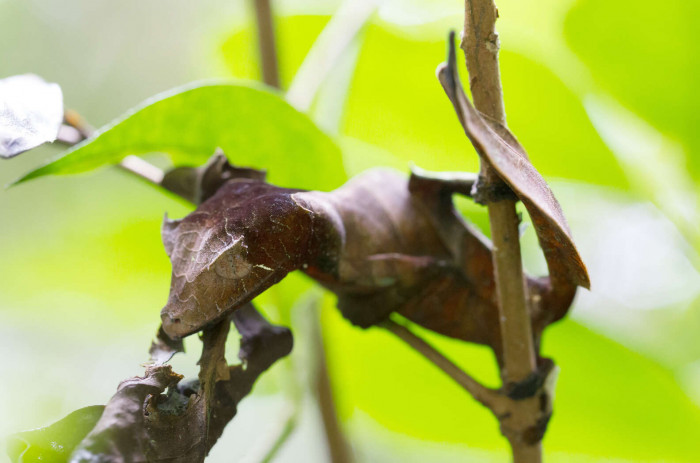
501, 150
141, 424
118, 435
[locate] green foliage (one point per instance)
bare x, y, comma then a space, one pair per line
54, 443
295, 35
253, 126
644, 55
611, 402
617, 402
407, 113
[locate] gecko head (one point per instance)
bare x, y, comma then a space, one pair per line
235, 245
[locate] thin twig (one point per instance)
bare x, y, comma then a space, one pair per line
330, 45
143, 169
278, 436
75, 129
69, 136
488, 397
266, 43
287, 429
480, 43
337, 445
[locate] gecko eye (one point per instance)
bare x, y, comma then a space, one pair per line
232, 265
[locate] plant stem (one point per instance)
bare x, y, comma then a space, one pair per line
279, 435
75, 129
488, 397
286, 431
142, 169
337, 445
526, 453
516, 327
266, 43
480, 44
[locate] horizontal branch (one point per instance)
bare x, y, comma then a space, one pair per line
143, 169
75, 129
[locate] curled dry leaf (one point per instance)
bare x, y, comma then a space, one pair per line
119, 434
381, 243
144, 423
31, 113
501, 150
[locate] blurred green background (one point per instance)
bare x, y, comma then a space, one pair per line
604, 97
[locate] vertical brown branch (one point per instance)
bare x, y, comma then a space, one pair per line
337, 445
516, 327
266, 43
481, 44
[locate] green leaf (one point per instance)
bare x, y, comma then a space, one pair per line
54, 443
645, 55
254, 127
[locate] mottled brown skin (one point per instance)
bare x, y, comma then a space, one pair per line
407, 250
238, 243
382, 244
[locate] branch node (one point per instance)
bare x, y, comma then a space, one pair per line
488, 190
492, 43
532, 384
